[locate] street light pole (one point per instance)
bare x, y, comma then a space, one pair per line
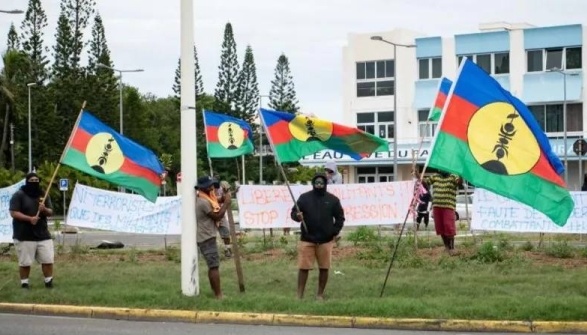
13, 11
30, 156
565, 145
261, 140
395, 107
120, 72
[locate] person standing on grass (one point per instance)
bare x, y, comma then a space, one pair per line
444, 202
223, 228
31, 235
323, 216
423, 215
208, 213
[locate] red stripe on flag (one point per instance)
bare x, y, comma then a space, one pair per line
212, 134
131, 168
340, 130
440, 100
80, 140
543, 170
457, 117
279, 132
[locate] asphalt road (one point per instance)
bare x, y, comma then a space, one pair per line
14, 324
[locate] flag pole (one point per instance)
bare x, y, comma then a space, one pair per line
293, 198
42, 200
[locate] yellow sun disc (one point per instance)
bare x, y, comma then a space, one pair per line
501, 141
103, 153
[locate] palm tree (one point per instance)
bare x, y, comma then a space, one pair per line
12, 76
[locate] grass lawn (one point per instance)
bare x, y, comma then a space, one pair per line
490, 279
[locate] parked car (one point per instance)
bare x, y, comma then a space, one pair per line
464, 207
461, 209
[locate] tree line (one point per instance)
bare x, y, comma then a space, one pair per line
61, 83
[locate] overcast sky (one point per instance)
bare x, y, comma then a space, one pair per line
145, 34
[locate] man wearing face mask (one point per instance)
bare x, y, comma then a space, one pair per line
324, 218
444, 202
31, 235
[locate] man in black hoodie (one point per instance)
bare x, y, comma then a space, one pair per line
31, 235
324, 218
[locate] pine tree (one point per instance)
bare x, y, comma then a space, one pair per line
282, 95
199, 82
248, 89
12, 39
62, 50
32, 27
226, 87
103, 86
78, 13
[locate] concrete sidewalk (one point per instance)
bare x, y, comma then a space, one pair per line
268, 319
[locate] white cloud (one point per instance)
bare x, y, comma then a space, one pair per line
145, 34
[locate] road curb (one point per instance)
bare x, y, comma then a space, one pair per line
268, 319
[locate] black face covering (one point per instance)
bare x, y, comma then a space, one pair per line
444, 174
32, 189
319, 190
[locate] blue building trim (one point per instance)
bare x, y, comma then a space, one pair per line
428, 47
545, 87
425, 93
480, 43
553, 37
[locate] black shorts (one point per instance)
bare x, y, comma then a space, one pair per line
209, 250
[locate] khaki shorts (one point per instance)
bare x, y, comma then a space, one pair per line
41, 251
308, 252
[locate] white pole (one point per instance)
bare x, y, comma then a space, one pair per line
189, 256
243, 166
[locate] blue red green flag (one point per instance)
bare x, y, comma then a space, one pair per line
98, 150
490, 138
227, 136
295, 136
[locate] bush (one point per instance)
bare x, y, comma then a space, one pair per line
489, 253
560, 249
362, 234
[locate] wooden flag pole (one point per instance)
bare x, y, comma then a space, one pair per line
278, 162
42, 200
235, 248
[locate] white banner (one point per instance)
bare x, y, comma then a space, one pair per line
5, 218
494, 212
129, 213
364, 204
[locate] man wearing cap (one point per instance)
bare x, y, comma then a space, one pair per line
208, 213
323, 217
31, 235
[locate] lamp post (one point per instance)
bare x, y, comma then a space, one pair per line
395, 85
13, 11
29, 85
120, 72
261, 141
565, 145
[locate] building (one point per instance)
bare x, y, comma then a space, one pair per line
520, 56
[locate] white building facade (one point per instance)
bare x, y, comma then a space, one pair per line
520, 56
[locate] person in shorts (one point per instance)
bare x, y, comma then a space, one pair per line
208, 213
31, 235
323, 216
223, 228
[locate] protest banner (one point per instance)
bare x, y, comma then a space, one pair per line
129, 213
364, 204
5, 218
496, 213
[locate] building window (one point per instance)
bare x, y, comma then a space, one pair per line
426, 129
380, 174
560, 58
550, 117
380, 124
492, 63
375, 78
430, 68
